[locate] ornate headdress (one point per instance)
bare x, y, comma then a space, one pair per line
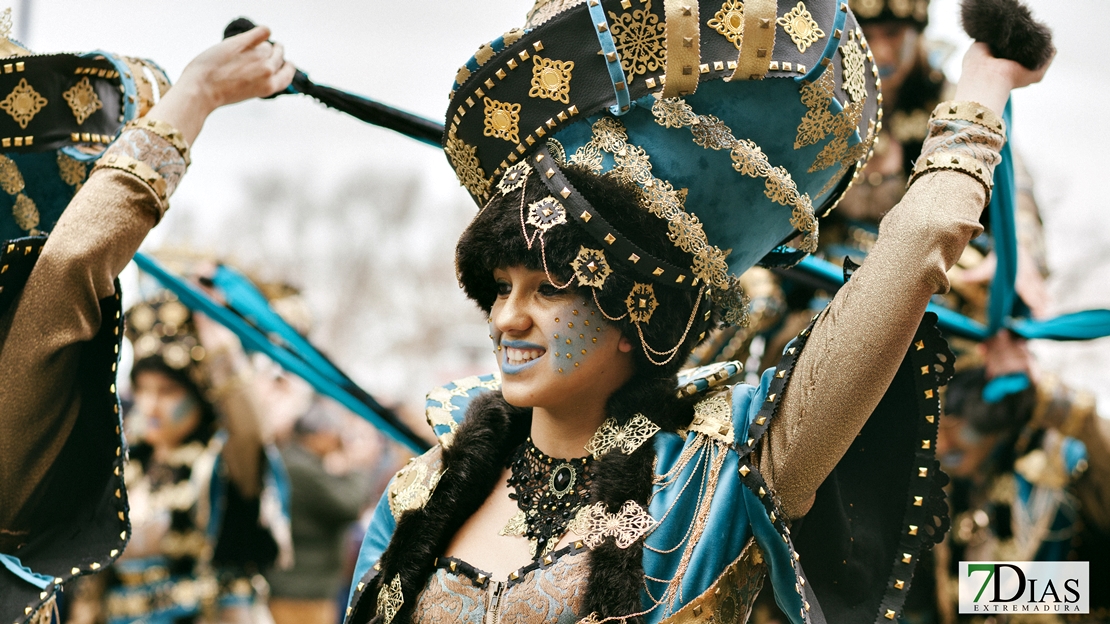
162, 329
915, 12
58, 113
740, 123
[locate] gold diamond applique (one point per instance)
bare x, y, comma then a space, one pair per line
799, 24
390, 600
627, 438
590, 267
82, 100
23, 103
729, 21
551, 79
502, 120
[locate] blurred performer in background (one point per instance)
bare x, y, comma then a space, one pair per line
325, 503
206, 511
1030, 482
63, 501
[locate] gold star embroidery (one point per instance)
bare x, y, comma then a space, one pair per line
502, 120
799, 24
551, 79
82, 100
628, 438
23, 103
729, 21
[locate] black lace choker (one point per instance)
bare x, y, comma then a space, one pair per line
549, 492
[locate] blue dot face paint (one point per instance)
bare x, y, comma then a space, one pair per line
184, 408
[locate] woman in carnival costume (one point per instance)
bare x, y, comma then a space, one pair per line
621, 178
208, 496
93, 149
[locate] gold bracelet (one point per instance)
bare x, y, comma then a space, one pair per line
953, 162
972, 112
166, 131
137, 168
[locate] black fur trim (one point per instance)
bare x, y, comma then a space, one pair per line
1009, 29
473, 463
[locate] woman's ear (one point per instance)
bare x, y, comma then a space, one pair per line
625, 345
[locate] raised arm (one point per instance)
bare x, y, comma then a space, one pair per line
125, 196
858, 344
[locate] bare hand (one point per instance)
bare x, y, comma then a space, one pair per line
238, 68
1006, 354
989, 80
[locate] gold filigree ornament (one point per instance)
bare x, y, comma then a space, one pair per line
851, 62
641, 302
799, 24
82, 100
412, 487
468, 168
516, 526
713, 417
639, 38
626, 526
23, 103
514, 177
390, 600
551, 79
729, 21
546, 213
627, 438
591, 268
502, 120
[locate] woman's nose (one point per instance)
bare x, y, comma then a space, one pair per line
511, 315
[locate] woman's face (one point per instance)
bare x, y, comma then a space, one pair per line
554, 348
894, 45
170, 412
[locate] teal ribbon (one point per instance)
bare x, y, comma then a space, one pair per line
1001, 387
326, 379
1004, 234
16, 567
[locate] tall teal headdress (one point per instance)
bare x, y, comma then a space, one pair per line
58, 113
742, 122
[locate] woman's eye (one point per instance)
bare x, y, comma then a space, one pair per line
503, 288
547, 290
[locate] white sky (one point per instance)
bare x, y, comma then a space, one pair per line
406, 54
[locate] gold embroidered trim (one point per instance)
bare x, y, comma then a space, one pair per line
390, 600
852, 69
24, 211
167, 132
137, 168
754, 59
972, 112
467, 167
11, 180
749, 160
634, 165
682, 37
82, 100
713, 417
627, 438
639, 38
799, 24
440, 414
731, 597
551, 79
954, 162
729, 21
72, 171
626, 526
23, 103
502, 120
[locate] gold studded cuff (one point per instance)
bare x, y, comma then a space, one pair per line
972, 112
167, 132
952, 161
140, 170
